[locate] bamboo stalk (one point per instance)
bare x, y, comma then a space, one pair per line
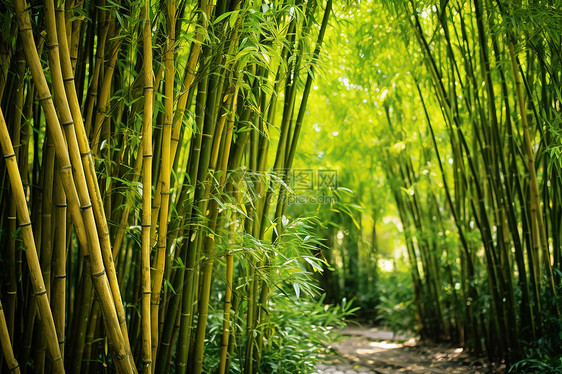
7, 350
226, 314
165, 171
19, 138
58, 300
209, 240
188, 292
147, 192
90, 174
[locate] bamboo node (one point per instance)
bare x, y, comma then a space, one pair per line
86, 154
25, 224
148, 88
40, 293
97, 275
66, 124
60, 276
41, 99
9, 156
61, 205
14, 367
167, 124
83, 208
146, 156
52, 46
146, 225
66, 167
146, 292
120, 357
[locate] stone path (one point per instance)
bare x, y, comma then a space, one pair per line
373, 351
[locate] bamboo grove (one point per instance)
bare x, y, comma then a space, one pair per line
141, 229
492, 227
450, 111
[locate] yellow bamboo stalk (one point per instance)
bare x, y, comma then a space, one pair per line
6, 343
229, 268
58, 298
146, 193
39, 290
165, 171
90, 174
103, 96
74, 38
189, 77
226, 314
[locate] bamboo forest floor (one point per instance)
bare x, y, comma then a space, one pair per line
369, 350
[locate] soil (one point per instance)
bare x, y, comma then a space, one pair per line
370, 350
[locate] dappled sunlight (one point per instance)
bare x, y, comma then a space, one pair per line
377, 346
198, 186
362, 352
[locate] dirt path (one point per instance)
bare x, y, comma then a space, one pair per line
364, 351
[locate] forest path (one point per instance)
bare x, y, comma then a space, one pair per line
369, 350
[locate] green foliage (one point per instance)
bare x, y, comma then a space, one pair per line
297, 329
545, 354
301, 332
395, 307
